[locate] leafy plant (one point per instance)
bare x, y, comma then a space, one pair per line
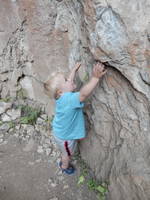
81, 180
29, 115
100, 188
6, 99
93, 184
11, 124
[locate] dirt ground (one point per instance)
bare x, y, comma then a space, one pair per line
26, 174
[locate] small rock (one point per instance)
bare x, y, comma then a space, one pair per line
5, 118
38, 161
4, 127
45, 145
4, 106
39, 121
61, 178
31, 163
53, 184
40, 149
50, 180
1, 140
44, 116
24, 126
18, 127
16, 135
14, 114
30, 129
48, 151
66, 186
54, 198
47, 141
11, 130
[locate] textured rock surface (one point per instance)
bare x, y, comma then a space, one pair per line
39, 37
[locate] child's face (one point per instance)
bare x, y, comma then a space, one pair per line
67, 85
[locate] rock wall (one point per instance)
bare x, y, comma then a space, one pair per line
38, 37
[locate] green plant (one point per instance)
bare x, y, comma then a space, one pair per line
100, 188
11, 124
81, 180
93, 184
6, 99
29, 114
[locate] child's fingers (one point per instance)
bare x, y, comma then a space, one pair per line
104, 72
78, 64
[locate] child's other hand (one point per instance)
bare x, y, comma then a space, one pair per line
77, 66
99, 70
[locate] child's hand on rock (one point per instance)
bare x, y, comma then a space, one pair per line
99, 70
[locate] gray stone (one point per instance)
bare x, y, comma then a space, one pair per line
54, 198
1, 140
48, 151
4, 127
4, 107
40, 149
5, 118
39, 121
14, 114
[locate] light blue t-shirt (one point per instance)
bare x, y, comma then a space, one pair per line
68, 123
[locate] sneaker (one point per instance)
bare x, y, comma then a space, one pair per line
70, 170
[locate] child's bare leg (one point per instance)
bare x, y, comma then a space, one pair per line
65, 161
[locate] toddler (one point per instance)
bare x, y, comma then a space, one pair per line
68, 123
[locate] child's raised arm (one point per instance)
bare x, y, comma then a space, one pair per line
98, 72
73, 72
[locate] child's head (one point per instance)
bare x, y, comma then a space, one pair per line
58, 84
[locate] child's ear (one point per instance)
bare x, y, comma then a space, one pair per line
58, 93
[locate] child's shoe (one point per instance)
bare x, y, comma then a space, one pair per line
70, 170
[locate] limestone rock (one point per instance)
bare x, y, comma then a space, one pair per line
45, 36
14, 114
4, 106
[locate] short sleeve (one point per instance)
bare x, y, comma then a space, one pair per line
74, 100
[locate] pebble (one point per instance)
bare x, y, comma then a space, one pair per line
38, 161
48, 151
53, 184
5, 118
1, 140
54, 198
31, 163
66, 186
40, 149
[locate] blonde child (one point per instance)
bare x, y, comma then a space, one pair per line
68, 123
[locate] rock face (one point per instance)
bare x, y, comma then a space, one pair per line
38, 37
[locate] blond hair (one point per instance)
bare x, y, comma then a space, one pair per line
52, 85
